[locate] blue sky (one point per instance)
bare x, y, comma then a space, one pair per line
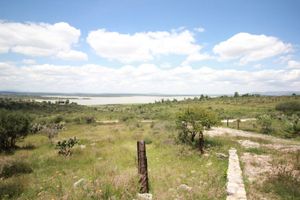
211, 46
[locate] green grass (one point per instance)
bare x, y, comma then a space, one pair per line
108, 164
108, 161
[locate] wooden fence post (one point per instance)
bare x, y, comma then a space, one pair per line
142, 167
238, 123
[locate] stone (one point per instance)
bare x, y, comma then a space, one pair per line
144, 196
249, 144
221, 155
80, 182
184, 187
235, 187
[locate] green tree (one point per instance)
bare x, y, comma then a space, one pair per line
236, 94
193, 122
13, 126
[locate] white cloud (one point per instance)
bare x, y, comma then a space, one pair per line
144, 78
258, 66
142, 46
249, 47
38, 39
72, 55
293, 64
28, 61
196, 57
199, 29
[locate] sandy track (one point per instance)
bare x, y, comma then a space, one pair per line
219, 131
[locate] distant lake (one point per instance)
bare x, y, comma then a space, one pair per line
89, 100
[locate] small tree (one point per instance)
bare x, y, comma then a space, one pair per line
236, 94
13, 126
52, 130
193, 122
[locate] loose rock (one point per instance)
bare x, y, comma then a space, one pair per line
221, 155
249, 144
144, 196
80, 182
184, 187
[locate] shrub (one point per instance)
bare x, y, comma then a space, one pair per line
65, 147
284, 183
15, 168
265, 121
13, 126
57, 119
10, 189
147, 140
292, 125
90, 119
289, 107
52, 129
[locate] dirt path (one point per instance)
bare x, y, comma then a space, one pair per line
258, 167
242, 120
218, 131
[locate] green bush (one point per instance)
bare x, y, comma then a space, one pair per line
90, 119
289, 107
58, 119
13, 126
265, 121
64, 147
10, 189
15, 168
147, 140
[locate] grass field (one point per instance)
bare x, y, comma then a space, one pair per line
104, 163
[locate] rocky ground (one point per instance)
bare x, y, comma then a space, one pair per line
260, 152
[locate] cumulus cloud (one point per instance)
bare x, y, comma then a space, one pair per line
249, 47
196, 57
28, 61
142, 46
144, 78
293, 64
40, 39
72, 55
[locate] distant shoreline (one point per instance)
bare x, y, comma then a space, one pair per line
75, 95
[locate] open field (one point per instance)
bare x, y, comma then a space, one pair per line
103, 165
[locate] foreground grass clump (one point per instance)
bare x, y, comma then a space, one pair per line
16, 167
285, 182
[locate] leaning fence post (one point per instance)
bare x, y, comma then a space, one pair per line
142, 167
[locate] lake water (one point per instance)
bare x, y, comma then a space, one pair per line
113, 100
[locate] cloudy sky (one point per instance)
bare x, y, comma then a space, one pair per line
143, 46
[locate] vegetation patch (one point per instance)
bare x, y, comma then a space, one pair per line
12, 168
